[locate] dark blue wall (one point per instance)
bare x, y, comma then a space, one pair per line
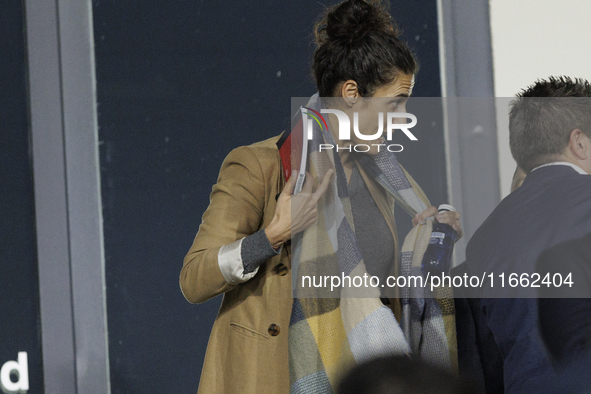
19, 288
181, 83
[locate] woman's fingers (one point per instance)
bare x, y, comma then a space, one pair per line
453, 219
287, 188
427, 213
420, 218
305, 204
448, 217
308, 182
417, 220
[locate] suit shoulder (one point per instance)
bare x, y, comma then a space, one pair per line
262, 157
262, 151
259, 150
576, 189
269, 143
581, 182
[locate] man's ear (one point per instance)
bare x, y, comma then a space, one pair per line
350, 92
579, 144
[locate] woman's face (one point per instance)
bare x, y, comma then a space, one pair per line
388, 98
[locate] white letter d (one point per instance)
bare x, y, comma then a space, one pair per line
21, 367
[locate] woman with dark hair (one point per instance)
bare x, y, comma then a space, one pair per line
244, 248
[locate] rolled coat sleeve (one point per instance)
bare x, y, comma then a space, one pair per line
235, 211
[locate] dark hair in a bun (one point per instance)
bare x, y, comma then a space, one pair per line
358, 40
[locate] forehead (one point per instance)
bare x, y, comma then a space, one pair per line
401, 86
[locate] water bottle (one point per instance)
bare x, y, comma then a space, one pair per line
437, 258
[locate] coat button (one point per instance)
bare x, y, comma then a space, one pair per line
274, 330
281, 269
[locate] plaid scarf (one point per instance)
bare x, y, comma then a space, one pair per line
332, 330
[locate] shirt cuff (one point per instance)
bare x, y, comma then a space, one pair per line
230, 263
255, 250
240, 260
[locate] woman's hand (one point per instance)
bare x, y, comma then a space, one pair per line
294, 214
451, 218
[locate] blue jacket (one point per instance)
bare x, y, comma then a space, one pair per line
551, 207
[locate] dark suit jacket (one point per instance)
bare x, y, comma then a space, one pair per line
479, 358
551, 207
565, 322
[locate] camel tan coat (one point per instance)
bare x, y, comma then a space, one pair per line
245, 353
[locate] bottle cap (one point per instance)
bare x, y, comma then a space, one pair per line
445, 208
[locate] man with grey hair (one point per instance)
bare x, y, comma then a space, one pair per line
548, 121
550, 138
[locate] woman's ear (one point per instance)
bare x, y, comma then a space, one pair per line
350, 92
